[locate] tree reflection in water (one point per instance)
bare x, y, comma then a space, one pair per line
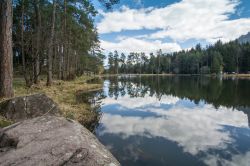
93, 100
218, 92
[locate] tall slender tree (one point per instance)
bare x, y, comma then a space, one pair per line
6, 53
111, 63
123, 63
22, 46
37, 6
50, 48
116, 62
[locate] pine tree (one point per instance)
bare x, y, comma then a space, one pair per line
6, 68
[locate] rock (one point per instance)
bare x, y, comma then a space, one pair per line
21, 108
40, 138
51, 140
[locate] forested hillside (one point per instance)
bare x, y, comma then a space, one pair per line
231, 57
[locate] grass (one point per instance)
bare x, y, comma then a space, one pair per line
4, 122
64, 94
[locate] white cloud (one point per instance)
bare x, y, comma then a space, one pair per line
188, 19
130, 44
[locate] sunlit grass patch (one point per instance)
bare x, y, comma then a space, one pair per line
4, 122
64, 94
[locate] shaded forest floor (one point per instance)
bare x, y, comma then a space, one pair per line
64, 94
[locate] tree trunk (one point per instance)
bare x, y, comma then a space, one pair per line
38, 40
158, 70
50, 46
22, 47
65, 48
61, 61
68, 63
6, 54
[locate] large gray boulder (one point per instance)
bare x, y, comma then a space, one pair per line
26, 107
51, 140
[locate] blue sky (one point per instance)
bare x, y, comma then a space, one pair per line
170, 25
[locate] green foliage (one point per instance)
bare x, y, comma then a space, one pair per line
75, 43
228, 57
216, 63
4, 122
205, 70
111, 63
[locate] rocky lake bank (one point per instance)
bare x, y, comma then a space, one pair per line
40, 136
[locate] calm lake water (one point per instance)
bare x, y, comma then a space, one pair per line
175, 120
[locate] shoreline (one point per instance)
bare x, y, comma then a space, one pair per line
64, 94
203, 75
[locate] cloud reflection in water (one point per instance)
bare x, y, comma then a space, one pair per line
196, 129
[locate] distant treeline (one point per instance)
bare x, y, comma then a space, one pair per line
231, 57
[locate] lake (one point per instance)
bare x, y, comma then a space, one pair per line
166, 120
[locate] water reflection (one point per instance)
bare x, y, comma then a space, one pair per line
176, 120
92, 101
